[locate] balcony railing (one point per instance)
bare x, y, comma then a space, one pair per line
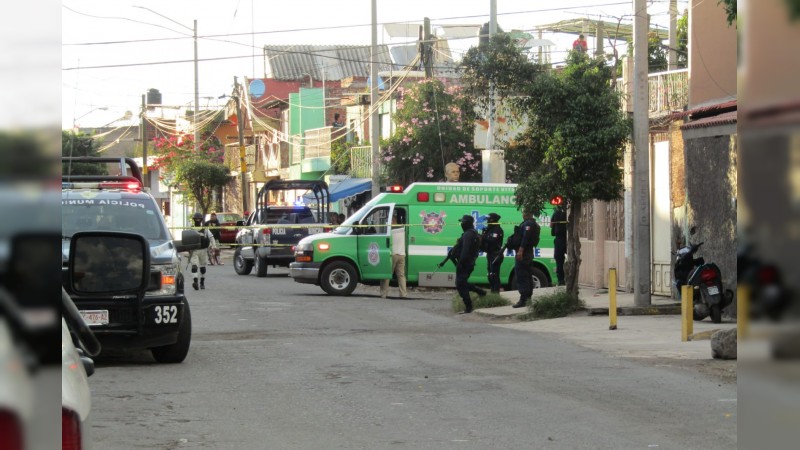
669, 91
361, 162
318, 143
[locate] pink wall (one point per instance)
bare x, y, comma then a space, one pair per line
712, 54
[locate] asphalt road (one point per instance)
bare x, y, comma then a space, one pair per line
279, 365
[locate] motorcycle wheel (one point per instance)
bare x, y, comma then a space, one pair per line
699, 312
716, 314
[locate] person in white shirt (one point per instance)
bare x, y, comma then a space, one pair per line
398, 257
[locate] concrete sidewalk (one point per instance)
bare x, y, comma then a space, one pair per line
642, 332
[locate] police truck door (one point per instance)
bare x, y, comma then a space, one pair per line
375, 244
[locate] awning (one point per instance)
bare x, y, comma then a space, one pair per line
349, 188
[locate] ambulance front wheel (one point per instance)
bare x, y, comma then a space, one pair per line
339, 278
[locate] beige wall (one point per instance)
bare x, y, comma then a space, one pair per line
769, 72
712, 54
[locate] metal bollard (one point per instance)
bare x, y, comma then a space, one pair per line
742, 311
612, 298
687, 316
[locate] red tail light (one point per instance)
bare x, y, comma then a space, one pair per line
266, 231
70, 430
708, 275
11, 435
767, 275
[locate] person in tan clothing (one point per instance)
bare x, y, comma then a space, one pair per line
398, 257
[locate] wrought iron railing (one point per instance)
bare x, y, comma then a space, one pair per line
361, 162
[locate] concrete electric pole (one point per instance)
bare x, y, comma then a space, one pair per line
242, 156
374, 131
641, 154
493, 164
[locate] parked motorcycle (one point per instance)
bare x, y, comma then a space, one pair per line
706, 279
769, 296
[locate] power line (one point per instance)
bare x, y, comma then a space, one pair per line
295, 30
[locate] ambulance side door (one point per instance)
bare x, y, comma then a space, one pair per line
375, 243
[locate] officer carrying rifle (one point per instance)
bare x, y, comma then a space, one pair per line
463, 255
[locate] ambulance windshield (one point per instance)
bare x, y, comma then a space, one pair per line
355, 217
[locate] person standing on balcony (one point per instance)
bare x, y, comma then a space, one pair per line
580, 45
336, 122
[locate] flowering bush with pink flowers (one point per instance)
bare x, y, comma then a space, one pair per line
434, 125
195, 171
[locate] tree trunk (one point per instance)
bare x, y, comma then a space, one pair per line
573, 263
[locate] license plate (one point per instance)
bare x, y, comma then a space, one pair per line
95, 317
713, 290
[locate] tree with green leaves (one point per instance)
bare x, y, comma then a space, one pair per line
682, 34
730, 10
434, 126
572, 144
195, 172
75, 144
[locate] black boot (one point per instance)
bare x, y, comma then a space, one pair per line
481, 292
467, 306
194, 284
202, 283
521, 303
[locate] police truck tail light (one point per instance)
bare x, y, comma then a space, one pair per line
70, 430
11, 436
423, 197
266, 231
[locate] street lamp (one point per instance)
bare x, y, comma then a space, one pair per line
196, 88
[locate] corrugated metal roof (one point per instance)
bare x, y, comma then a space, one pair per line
727, 118
295, 62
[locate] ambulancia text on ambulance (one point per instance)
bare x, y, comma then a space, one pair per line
359, 251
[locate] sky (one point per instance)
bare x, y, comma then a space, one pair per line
112, 52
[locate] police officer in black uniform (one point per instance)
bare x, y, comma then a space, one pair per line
466, 250
558, 229
493, 246
529, 231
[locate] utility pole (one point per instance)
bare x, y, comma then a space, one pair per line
673, 35
641, 165
242, 158
493, 164
143, 133
196, 92
373, 102
427, 52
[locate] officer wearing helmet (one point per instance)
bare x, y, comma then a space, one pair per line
464, 255
199, 257
493, 246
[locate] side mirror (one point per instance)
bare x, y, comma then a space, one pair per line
108, 263
190, 240
102, 264
240, 223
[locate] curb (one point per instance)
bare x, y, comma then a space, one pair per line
657, 310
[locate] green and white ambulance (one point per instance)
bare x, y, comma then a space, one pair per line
359, 251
